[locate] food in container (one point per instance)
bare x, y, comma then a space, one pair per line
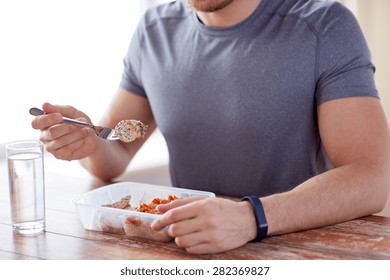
96, 211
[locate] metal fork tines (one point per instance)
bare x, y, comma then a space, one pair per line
102, 132
105, 133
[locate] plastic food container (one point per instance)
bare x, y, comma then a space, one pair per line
94, 216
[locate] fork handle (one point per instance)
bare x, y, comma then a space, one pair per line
76, 122
38, 112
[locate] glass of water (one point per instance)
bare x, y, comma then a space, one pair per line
26, 186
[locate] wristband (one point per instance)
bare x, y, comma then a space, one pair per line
261, 221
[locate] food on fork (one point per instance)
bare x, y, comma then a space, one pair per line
129, 130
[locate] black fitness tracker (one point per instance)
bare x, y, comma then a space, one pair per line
261, 221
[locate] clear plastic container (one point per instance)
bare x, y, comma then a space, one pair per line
94, 216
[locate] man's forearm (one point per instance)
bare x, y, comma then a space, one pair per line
108, 161
338, 195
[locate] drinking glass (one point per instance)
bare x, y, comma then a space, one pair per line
26, 186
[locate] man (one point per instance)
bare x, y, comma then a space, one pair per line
273, 98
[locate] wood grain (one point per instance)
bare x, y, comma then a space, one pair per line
65, 238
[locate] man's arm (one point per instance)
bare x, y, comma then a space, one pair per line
355, 136
111, 158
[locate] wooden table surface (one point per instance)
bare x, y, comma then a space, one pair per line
65, 238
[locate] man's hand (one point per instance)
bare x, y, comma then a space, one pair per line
207, 225
64, 141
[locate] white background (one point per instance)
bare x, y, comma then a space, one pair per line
64, 52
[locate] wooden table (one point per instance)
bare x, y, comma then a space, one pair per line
365, 238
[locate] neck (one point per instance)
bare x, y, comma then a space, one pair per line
231, 15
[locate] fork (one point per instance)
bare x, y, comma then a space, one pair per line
102, 132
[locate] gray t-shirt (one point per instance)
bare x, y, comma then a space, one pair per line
237, 106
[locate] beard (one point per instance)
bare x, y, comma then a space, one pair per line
208, 6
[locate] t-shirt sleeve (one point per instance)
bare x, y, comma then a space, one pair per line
131, 75
344, 67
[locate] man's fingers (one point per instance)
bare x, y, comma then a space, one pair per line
162, 208
192, 239
185, 227
181, 210
66, 111
46, 121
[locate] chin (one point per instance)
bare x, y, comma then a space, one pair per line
208, 6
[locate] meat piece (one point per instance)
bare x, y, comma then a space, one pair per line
124, 203
129, 130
